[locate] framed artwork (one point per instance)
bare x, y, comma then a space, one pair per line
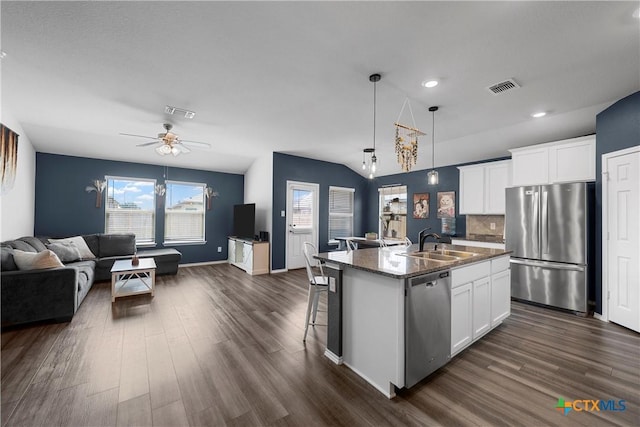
8, 157
447, 204
420, 205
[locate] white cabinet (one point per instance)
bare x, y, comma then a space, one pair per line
500, 290
251, 256
461, 320
471, 189
568, 160
480, 300
481, 307
482, 188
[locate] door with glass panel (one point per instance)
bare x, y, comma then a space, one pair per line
302, 220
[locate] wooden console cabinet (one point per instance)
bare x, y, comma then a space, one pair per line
249, 255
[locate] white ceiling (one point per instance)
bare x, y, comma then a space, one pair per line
293, 77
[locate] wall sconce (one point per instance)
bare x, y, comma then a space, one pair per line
210, 193
98, 186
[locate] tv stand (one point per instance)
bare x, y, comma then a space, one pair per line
249, 255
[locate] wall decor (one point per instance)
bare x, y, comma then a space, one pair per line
210, 193
446, 204
8, 157
98, 186
420, 205
406, 141
160, 190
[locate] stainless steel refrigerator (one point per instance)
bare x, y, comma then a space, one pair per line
549, 229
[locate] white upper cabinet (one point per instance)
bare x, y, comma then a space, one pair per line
482, 188
568, 160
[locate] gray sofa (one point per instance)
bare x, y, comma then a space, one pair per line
55, 294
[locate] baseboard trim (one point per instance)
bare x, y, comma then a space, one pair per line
599, 317
282, 270
331, 356
198, 264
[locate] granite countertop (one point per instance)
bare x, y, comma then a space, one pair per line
389, 261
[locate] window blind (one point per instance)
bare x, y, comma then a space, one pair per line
341, 202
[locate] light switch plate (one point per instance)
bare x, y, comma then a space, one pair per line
282, 214
219, 248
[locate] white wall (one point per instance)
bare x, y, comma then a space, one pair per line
258, 189
17, 206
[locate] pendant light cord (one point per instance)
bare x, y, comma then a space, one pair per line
433, 140
374, 116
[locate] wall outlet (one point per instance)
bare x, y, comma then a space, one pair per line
219, 248
492, 226
332, 284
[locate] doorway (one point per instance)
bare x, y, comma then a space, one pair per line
621, 238
302, 220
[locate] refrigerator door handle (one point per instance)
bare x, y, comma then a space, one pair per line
544, 220
536, 223
550, 265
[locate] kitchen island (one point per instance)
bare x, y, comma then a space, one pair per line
384, 318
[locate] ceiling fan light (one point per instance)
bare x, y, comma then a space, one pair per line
175, 151
159, 150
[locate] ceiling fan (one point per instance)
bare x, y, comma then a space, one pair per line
170, 143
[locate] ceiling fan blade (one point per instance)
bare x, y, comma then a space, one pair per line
146, 144
139, 136
183, 148
196, 144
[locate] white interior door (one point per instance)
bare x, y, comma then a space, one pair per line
622, 202
302, 220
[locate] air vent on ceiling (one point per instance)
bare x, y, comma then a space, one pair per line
502, 87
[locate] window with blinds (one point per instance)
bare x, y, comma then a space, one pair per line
340, 212
184, 213
130, 207
393, 212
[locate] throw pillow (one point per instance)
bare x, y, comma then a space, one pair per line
36, 261
85, 252
66, 251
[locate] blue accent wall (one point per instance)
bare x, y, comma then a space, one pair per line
617, 128
64, 208
294, 168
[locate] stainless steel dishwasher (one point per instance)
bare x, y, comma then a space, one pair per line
427, 326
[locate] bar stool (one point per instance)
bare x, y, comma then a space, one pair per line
317, 284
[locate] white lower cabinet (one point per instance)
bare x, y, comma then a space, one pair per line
500, 296
480, 300
481, 307
461, 321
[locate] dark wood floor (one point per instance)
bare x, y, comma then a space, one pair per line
218, 347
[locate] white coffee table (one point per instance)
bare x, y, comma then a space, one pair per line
127, 279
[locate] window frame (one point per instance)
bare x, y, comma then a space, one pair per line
352, 191
153, 181
396, 189
179, 242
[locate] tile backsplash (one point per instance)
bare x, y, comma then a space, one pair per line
481, 225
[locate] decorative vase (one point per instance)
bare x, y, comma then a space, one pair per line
135, 260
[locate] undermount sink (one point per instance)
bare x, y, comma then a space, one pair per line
457, 254
442, 255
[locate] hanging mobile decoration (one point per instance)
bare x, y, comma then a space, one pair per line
407, 141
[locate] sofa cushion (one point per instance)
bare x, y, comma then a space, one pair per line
86, 272
34, 242
93, 241
79, 242
6, 261
21, 245
66, 251
117, 245
36, 261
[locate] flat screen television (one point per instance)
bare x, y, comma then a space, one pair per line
244, 221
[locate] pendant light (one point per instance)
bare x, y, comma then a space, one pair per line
432, 176
373, 163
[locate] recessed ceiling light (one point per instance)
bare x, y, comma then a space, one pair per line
3, 54
430, 83
539, 114
636, 13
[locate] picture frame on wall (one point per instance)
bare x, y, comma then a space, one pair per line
420, 205
446, 204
